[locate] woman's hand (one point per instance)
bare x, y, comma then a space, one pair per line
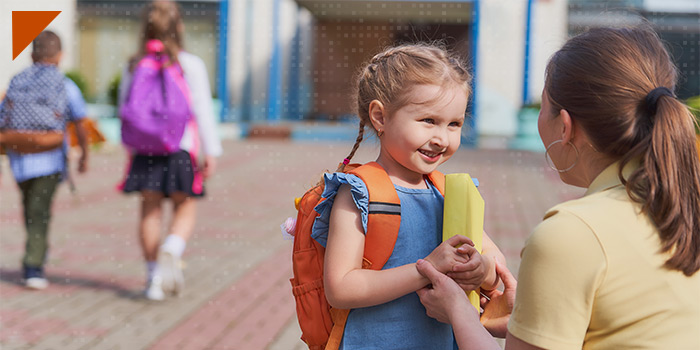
499, 305
448, 303
471, 274
445, 256
444, 298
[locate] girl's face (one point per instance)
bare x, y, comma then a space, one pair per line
424, 133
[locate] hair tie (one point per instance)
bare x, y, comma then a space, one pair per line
346, 161
653, 97
154, 46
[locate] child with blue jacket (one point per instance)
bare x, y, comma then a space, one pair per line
38, 174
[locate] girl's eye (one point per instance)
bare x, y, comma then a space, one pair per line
456, 124
428, 120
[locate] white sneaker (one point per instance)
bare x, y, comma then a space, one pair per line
171, 269
37, 283
154, 289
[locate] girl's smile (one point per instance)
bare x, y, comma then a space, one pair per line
431, 157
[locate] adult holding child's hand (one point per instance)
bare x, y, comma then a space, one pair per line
444, 300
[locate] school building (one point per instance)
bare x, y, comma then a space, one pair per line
292, 62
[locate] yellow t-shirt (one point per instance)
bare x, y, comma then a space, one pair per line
592, 277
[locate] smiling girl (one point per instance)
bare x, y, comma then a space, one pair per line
414, 98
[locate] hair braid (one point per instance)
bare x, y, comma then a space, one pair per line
358, 140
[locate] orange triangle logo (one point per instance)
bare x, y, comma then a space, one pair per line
26, 25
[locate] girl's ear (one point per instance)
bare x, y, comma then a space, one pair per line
377, 115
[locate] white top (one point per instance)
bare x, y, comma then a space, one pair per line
200, 94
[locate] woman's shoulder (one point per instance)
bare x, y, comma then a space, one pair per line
561, 224
598, 210
600, 219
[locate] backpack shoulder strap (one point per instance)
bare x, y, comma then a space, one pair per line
384, 216
149, 62
438, 180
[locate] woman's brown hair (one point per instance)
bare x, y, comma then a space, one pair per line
162, 21
389, 75
602, 78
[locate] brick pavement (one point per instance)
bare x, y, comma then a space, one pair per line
237, 294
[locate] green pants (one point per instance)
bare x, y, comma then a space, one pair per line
37, 196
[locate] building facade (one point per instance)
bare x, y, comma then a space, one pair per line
273, 61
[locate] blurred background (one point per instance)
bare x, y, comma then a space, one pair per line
285, 67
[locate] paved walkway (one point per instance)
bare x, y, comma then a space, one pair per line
237, 264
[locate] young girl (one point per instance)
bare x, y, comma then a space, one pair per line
176, 176
414, 98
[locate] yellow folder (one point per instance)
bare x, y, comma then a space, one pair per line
463, 215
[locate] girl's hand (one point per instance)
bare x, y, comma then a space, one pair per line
209, 166
444, 297
445, 256
499, 305
471, 274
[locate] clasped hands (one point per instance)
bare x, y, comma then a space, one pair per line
449, 274
458, 259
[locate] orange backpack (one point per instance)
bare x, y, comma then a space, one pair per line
321, 325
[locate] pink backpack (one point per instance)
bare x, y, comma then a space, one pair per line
157, 106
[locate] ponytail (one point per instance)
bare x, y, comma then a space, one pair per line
668, 183
162, 20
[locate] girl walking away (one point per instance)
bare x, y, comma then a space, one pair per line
163, 77
413, 97
617, 268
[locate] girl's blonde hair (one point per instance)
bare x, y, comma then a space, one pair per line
603, 78
162, 20
390, 74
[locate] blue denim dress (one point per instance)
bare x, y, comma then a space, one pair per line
401, 323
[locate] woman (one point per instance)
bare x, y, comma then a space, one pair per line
616, 268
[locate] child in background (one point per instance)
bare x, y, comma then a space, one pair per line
176, 176
38, 174
414, 97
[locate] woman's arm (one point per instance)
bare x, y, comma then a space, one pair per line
446, 302
347, 285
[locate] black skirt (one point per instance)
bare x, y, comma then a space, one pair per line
176, 172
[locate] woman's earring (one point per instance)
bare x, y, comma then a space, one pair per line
380, 133
550, 162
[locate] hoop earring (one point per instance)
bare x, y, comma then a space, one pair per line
550, 162
380, 133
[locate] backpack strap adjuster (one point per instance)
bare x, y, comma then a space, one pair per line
384, 208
